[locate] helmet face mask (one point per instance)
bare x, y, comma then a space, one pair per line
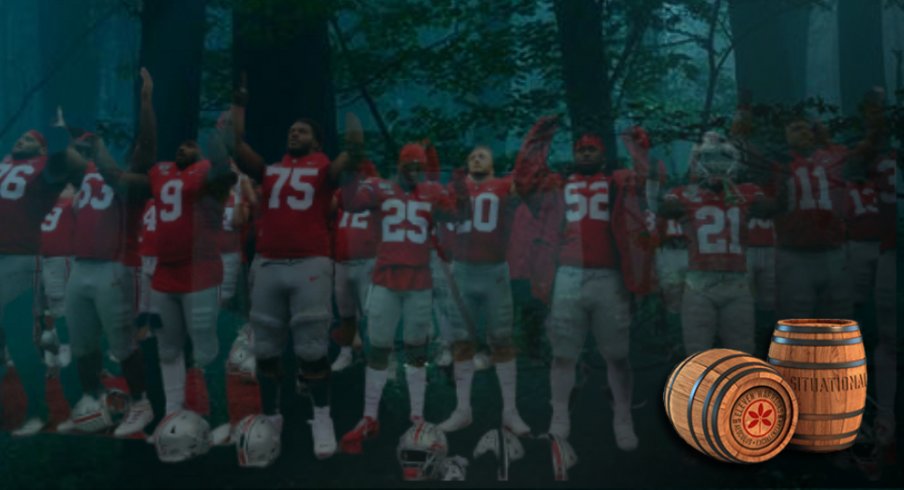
715, 158
258, 442
421, 449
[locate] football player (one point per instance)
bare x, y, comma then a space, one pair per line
32, 176
189, 193
717, 297
355, 248
482, 276
406, 209
589, 292
293, 269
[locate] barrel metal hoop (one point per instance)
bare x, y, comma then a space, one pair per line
709, 395
817, 342
817, 365
825, 437
791, 329
690, 398
830, 416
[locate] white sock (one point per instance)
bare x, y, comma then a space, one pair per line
507, 373
173, 374
464, 375
321, 412
417, 389
345, 350
561, 382
374, 381
621, 382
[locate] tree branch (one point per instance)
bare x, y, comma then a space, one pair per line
74, 46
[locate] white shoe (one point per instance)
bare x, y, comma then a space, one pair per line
459, 419
90, 415
343, 360
560, 425
65, 426
444, 357
623, 426
482, 361
512, 421
140, 414
324, 435
31, 427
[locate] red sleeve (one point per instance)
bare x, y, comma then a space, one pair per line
361, 195
632, 237
530, 165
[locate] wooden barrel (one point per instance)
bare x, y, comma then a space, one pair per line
731, 406
825, 364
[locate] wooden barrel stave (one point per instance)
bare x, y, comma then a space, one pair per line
702, 396
825, 363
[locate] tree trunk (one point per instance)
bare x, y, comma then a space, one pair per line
770, 40
283, 47
172, 43
586, 70
860, 48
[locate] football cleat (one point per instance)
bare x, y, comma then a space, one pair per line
343, 360
140, 414
512, 421
352, 441
623, 426
31, 427
459, 419
323, 433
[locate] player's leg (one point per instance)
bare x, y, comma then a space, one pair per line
309, 309
84, 335
699, 317
736, 314
148, 319
363, 275
200, 310
761, 269
443, 309
384, 309
232, 262
500, 337
115, 304
463, 345
170, 348
610, 321
567, 327
794, 284
416, 325
836, 298
269, 322
861, 259
348, 311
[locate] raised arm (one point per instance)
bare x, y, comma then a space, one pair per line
221, 178
353, 154
131, 183
455, 203
145, 153
248, 160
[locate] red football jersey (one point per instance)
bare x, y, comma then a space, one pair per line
406, 219
863, 220
483, 238
888, 186
25, 199
106, 223
295, 209
188, 224
57, 230
147, 238
715, 228
356, 234
587, 240
760, 233
816, 197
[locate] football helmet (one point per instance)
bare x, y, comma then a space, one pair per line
504, 445
453, 468
181, 436
257, 441
715, 157
91, 415
421, 448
